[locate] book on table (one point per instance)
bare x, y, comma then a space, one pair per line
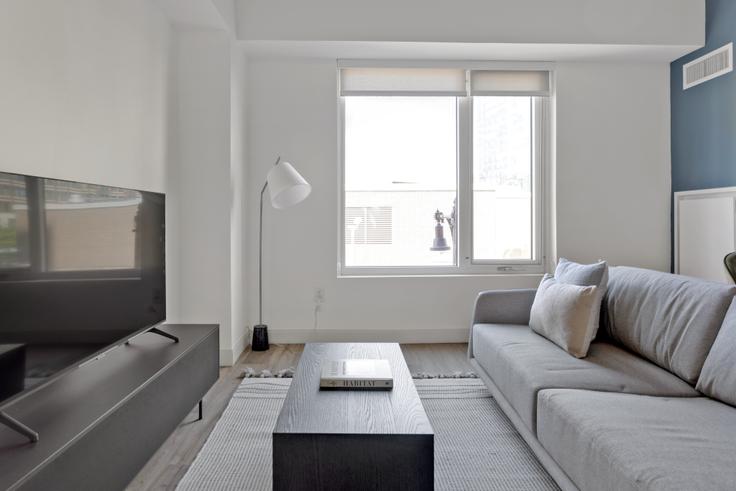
369, 374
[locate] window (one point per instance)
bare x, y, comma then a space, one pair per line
442, 170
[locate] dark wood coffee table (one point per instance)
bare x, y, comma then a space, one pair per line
352, 439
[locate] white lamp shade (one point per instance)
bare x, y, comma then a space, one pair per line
286, 186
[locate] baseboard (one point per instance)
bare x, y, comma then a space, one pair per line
228, 357
240, 344
408, 336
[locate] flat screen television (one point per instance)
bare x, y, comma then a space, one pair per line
81, 270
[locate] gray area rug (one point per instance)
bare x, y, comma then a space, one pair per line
476, 446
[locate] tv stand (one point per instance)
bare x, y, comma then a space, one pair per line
102, 421
17, 426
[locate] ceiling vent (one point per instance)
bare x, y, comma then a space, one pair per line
714, 64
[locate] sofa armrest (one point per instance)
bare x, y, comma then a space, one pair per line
504, 306
501, 307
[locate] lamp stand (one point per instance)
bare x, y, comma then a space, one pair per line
260, 330
260, 338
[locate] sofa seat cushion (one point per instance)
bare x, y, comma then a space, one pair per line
671, 320
521, 363
608, 441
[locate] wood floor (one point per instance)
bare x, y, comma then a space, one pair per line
172, 460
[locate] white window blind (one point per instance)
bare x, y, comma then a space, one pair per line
380, 81
509, 82
402, 82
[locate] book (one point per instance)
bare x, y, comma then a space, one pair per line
367, 374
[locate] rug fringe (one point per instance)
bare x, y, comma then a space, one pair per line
250, 372
425, 375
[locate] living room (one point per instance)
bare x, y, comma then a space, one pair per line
526, 208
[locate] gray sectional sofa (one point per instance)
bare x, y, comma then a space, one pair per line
640, 411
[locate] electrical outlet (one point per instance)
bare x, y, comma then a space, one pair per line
319, 295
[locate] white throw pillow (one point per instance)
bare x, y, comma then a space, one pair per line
564, 314
585, 275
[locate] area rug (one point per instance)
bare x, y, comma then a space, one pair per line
476, 446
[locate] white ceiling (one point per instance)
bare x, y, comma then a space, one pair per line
527, 30
200, 13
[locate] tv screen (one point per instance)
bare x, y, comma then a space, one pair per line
81, 268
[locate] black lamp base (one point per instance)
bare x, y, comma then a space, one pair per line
260, 338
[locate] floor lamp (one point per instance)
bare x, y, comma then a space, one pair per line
286, 188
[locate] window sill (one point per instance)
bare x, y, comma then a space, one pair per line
343, 276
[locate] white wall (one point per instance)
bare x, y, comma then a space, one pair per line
200, 191
621, 22
83, 91
613, 163
238, 214
207, 174
226, 10
612, 200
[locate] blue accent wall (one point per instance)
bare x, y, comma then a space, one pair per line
704, 116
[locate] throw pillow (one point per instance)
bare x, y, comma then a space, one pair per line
562, 313
595, 274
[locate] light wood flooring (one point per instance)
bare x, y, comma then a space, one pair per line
172, 460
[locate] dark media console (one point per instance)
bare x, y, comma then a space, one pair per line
100, 423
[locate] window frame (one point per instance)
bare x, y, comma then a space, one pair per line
464, 262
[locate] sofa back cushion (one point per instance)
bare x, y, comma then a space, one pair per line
718, 378
669, 319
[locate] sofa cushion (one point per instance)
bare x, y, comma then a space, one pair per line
718, 377
669, 319
565, 314
595, 274
521, 363
607, 441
